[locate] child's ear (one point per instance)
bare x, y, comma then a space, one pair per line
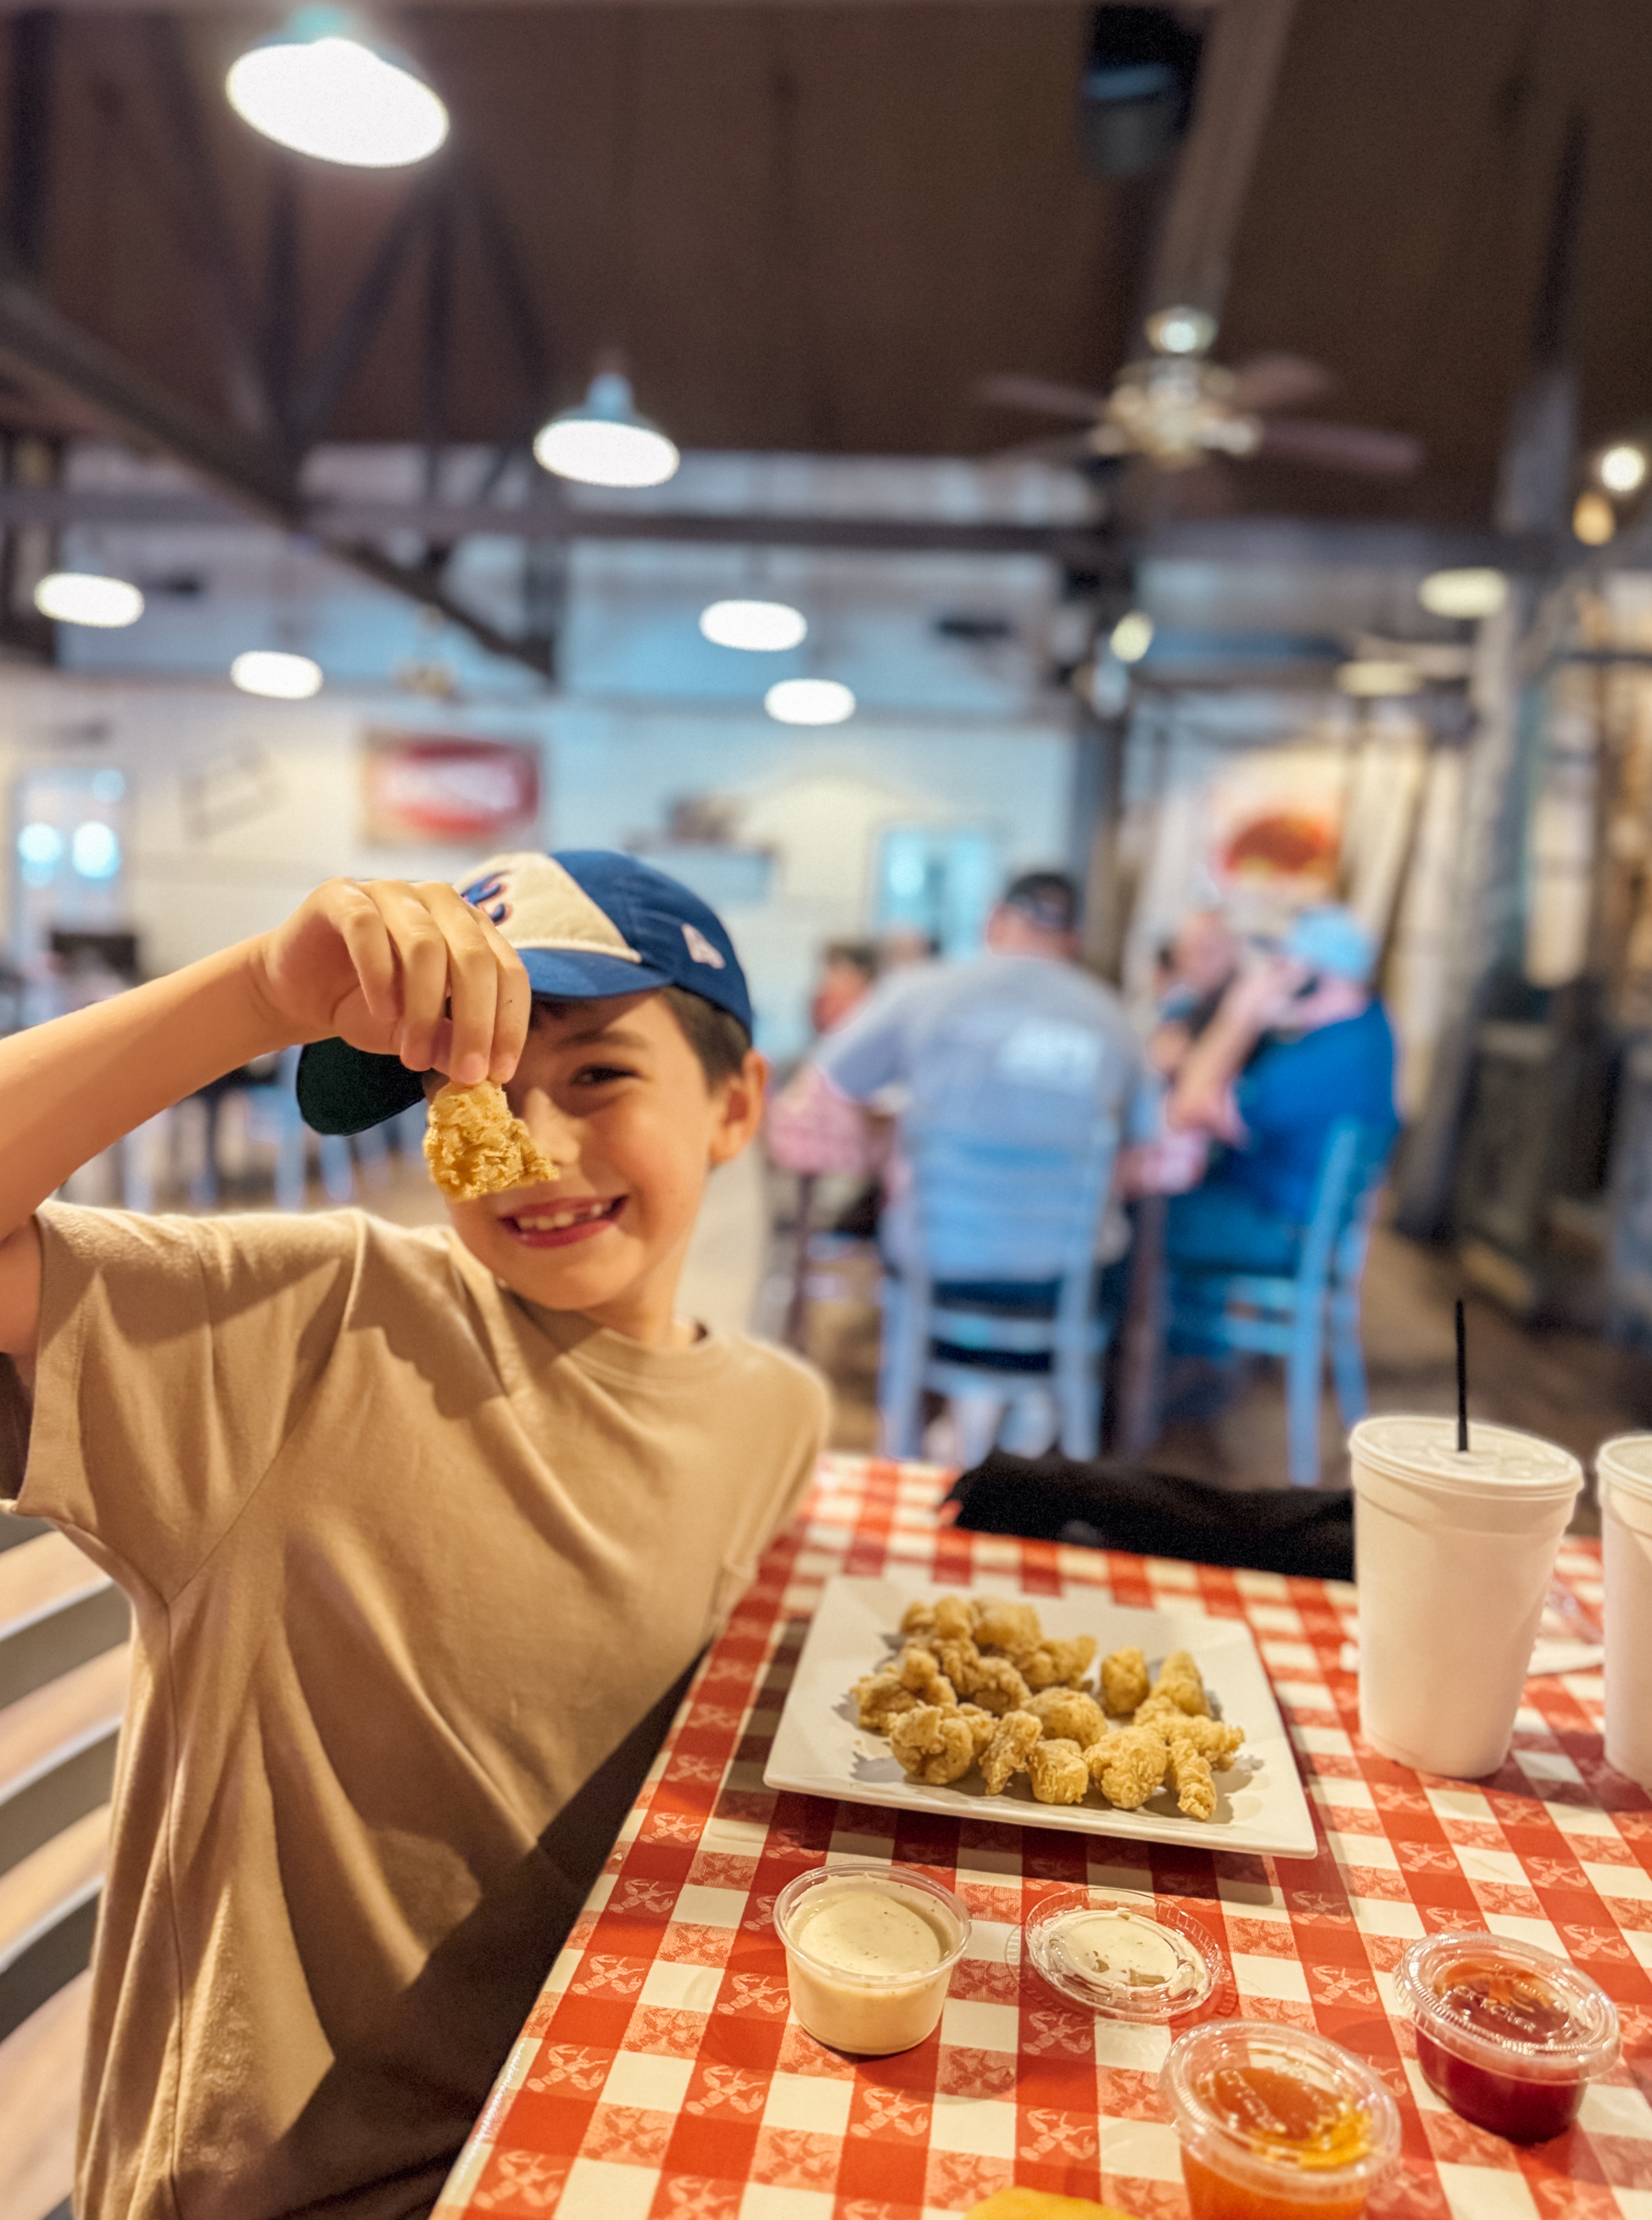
738, 1107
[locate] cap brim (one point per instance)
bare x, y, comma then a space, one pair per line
346, 1090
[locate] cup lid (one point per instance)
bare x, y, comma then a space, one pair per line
1498, 1458
1222, 2082
1508, 2005
1626, 1461
1121, 1954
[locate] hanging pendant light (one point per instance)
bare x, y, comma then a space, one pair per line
761, 627
88, 597
810, 701
603, 441
276, 675
322, 90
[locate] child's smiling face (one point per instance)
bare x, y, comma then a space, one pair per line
621, 1104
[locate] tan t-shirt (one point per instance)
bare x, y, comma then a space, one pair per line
409, 1556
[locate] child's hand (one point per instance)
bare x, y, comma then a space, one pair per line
406, 971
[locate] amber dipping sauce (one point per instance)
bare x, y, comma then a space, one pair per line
1307, 2131
1510, 2005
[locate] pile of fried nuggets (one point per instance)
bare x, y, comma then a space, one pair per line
978, 1682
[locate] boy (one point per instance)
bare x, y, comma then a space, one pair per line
418, 1527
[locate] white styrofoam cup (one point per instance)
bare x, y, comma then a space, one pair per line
1453, 1552
1623, 1468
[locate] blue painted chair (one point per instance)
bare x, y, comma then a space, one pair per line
1005, 1273
1214, 1311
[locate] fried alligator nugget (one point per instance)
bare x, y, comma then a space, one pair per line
932, 1744
983, 1725
1212, 1738
996, 1685
917, 1668
1011, 1627
1068, 1715
1178, 1679
1128, 1767
1059, 1662
917, 1620
1124, 1682
1019, 1733
1190, 1779
960, 1660
475, 1147
952, 1618
1058, 1770
879, 1697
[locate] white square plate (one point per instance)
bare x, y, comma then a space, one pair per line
821, 1750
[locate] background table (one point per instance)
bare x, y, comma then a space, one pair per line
661, 2077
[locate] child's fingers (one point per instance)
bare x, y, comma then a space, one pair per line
421, 955
473, 982
368, 944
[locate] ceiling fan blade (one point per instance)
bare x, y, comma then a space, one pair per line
1043, 396
1353, 447
1278, 381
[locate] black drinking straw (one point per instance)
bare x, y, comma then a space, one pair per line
1462, 1341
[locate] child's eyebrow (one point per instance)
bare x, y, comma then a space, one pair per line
612, 1036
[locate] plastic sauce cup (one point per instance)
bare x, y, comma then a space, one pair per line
1276, 2124
1509, 2035
869, 1954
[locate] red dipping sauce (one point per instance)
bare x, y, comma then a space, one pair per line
1509, 2035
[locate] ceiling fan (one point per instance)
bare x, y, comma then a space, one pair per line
1177, 409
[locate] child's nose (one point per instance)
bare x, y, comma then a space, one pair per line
557, 1133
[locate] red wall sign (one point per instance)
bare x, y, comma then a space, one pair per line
430, 788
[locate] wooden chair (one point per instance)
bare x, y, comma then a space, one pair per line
1005, 1274
1214, 1310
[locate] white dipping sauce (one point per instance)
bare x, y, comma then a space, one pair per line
1112, 1946
865, 1958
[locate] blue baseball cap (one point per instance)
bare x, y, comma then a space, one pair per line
1330, 938
588, 923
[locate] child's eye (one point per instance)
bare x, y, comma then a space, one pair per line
600, 1074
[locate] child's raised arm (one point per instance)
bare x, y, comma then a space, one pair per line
400, 970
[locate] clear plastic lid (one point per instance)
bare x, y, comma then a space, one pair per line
1508, 2006
1120, 1954
1263, 2103
1498, 1457
1626, 1460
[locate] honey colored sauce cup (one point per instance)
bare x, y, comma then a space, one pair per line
869, 1954
1276, 2124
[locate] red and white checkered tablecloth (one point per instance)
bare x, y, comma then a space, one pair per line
660, 2077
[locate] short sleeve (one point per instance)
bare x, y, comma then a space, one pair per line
869, 1052
176, 1354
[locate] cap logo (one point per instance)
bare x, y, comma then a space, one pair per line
700, 949
536, 904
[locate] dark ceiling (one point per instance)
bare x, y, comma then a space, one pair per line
816, 228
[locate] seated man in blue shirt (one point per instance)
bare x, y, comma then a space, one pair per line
1299, 1042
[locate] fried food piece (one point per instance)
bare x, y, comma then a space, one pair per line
1162, 1711
1042, 2205
917, 1620
932, 1744
1060, 1662
475, 1147
1058, 1770
1011, 1627
918, 1669
1190, 1779
982, 1724
881, 1698
1124, 1679
1019, 1733
960, 1660
1128, 1767
953, 1623
1178, 1679
996, 1685
1068, 1715
1213, 1739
